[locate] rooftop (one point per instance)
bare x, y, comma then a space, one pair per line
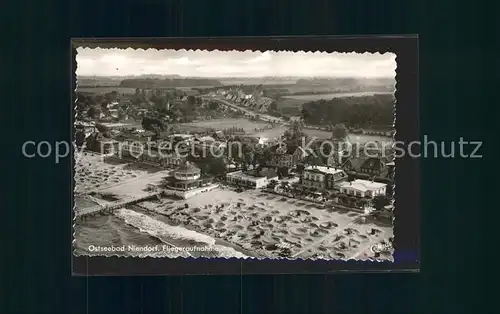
362, 185
187, 167
254, 174
324, 169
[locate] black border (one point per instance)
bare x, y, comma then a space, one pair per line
407, 196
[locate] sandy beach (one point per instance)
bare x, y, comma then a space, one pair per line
93, 174
263, 223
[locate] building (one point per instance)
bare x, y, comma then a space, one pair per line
372, 167
322, 177
187, 177
286, 156
363, 188
154, 155
251, 179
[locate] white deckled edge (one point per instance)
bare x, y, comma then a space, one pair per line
92, 46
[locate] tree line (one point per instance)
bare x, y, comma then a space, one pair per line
355, 112
166, 83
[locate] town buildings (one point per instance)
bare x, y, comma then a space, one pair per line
251, 179
286, 155
322, 177
363, 188
378, 168
152, 154
186, 177
187, 181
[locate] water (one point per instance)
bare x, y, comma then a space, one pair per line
129, 227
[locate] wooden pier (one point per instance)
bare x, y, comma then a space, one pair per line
110, 207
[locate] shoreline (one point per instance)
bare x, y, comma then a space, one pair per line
192, 227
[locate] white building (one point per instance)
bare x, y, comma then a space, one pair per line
251, 180
363, 188
323, 177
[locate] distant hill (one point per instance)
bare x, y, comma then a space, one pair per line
168, 83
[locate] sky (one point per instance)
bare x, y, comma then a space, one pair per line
116, 62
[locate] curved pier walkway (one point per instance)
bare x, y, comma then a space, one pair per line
110, 207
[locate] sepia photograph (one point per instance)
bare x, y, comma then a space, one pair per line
234, 154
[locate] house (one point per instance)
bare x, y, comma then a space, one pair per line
286, 155
334, 160
363, 188
251, 179
113, 113
219, 135
263, 141
373, 166
98, 143
112, 105
322, 177
351, 164
221, 92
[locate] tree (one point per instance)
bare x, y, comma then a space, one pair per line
282, 172
339, 131
152, 124
305, 114
217, 166
101, 128
300, 168
92, 112
213, 105
380, 201
273, 106
191, 101
80, 138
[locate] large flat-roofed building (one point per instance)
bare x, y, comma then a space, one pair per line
363, 188
323, 177
251, 179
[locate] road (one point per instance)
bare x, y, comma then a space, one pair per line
262, 116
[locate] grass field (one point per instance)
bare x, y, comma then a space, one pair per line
107, 89
247, 125
131, 90
313, 97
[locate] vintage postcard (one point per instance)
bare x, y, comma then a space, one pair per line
234, 154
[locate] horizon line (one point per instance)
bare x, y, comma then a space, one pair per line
221, 77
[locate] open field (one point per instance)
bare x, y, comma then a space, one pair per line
131, 90
107, 89
220, 124
321, 134
313, 97
259, 222
258, 81
291, 105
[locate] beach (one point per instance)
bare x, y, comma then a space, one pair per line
262, 223
231, 224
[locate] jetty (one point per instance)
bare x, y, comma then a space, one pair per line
108, 208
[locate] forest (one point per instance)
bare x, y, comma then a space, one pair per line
354, 112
